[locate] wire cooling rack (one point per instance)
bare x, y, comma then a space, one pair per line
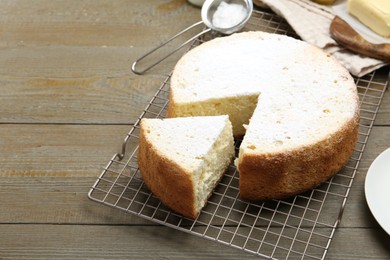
300, 227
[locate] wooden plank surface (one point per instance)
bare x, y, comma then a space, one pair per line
67, 100
155, 242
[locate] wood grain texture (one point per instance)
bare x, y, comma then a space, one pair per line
155, 242
89, 100
68, 99
346, 36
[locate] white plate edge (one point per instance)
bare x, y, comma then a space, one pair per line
377, 212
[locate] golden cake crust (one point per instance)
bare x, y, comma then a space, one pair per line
284, 174
168, 181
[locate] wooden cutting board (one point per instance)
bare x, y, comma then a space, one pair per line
346, 36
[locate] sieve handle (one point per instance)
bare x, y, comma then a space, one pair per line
143, 70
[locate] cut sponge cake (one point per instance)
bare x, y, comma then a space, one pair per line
182, 159
300, 106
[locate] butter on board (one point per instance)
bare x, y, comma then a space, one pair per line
375, 14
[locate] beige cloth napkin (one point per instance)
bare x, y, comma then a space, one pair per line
311, 22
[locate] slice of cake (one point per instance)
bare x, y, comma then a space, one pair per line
182, 159
299, 103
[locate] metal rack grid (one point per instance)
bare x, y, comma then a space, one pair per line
301, 226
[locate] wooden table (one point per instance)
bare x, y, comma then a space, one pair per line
67, 100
